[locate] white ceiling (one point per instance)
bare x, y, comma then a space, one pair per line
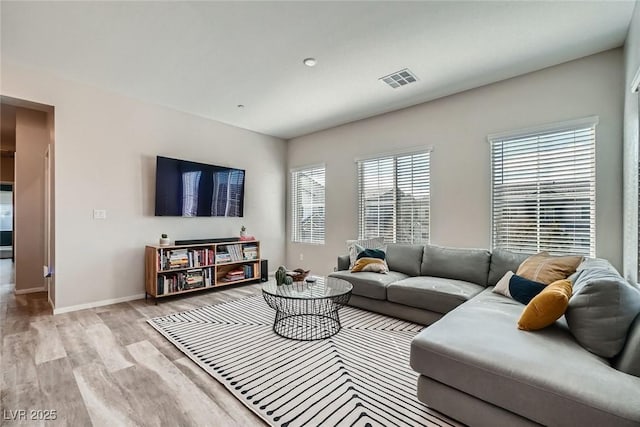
205, 58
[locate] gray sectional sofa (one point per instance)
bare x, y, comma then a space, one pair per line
476, 366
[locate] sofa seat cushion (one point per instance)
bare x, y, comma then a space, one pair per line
545, 375
432, 293
369, 284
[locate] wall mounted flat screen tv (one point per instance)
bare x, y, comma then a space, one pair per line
185, 188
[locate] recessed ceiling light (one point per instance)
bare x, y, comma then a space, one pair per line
240, 106
310, 62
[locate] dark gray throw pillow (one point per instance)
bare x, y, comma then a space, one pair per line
371, 253
602, 308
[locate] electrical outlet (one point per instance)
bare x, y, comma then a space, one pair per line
99, 214
301, 256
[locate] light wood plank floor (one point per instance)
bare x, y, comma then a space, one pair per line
107, 367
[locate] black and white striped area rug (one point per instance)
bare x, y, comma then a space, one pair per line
359, 377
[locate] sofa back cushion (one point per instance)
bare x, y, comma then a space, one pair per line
601, 310
470, 265
629, 359
404, 258
502, 261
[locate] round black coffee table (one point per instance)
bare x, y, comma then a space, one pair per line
307, 311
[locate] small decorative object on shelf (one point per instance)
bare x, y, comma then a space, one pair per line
244, 236
164, 240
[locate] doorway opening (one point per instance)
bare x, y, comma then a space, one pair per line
6, 220
27, 228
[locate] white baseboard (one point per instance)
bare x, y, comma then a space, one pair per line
61, 310
30, 290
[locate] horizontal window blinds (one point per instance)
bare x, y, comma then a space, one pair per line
544, 192
394, 197
307, 205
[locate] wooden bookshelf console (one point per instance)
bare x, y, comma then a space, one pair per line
178, 269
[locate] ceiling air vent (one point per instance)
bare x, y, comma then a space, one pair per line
399, 78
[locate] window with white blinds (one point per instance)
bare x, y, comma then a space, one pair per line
394, 197
543, 188
307, 204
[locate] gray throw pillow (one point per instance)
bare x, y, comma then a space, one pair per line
602, 308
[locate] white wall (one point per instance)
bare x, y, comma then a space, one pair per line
457, 127
105, 148
631, 126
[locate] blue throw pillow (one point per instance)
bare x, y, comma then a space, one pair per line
518, 288
371, 253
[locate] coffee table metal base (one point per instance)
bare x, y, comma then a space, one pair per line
306, 319
306, 327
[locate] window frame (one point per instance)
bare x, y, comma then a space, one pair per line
293, 205
539, 131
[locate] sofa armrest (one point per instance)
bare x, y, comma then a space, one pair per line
343, 262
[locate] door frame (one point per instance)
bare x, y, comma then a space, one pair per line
47, 222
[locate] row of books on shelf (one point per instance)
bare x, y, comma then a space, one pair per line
184, 258
234, 253
243, 272
250, 252
184, 280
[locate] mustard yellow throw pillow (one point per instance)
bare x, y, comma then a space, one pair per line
546, 307
375, 265
545, 268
